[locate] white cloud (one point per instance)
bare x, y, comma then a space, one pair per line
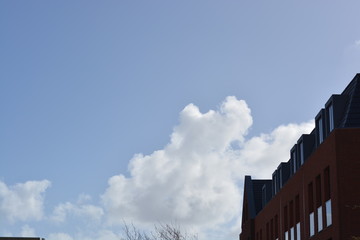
188, 179
85, 211
23, 201
260, 155
196, 180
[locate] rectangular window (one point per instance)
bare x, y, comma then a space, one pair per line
275, 190
327, 183
291, 214
319, 203
312, 224
271, 229
327, 192
297, 208
298, 234
320, 219
297, 217
280, 177
264, 199
267, 232
318, 191
320, 130
286, 223
276, 227
286, 235
311, 209
292, 233
310, 197
301, 153
293, 156
331, 117
328, 212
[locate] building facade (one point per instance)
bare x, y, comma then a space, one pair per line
316, 194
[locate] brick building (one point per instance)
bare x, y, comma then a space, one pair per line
316, 194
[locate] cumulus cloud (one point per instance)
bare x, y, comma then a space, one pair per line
188, 179
23, 201
196, 180
260, 155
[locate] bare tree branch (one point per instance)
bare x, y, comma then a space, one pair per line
161, 232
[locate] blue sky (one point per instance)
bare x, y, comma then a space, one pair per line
105, 107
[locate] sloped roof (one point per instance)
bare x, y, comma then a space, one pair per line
351, 116
253, 189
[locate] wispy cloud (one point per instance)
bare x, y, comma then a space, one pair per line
80, 210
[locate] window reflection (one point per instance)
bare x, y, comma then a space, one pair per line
328, 212
320, 219
312, 226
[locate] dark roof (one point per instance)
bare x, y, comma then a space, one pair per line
253, 190
351, 116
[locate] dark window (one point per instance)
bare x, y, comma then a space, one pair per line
276, 227
274, 183
286, 223
267, 231
310, 197
301, 153
297, 208
293, 158
264, 195
320, 130
330, 111
272, 229
327, 183
318, 191
280, 177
